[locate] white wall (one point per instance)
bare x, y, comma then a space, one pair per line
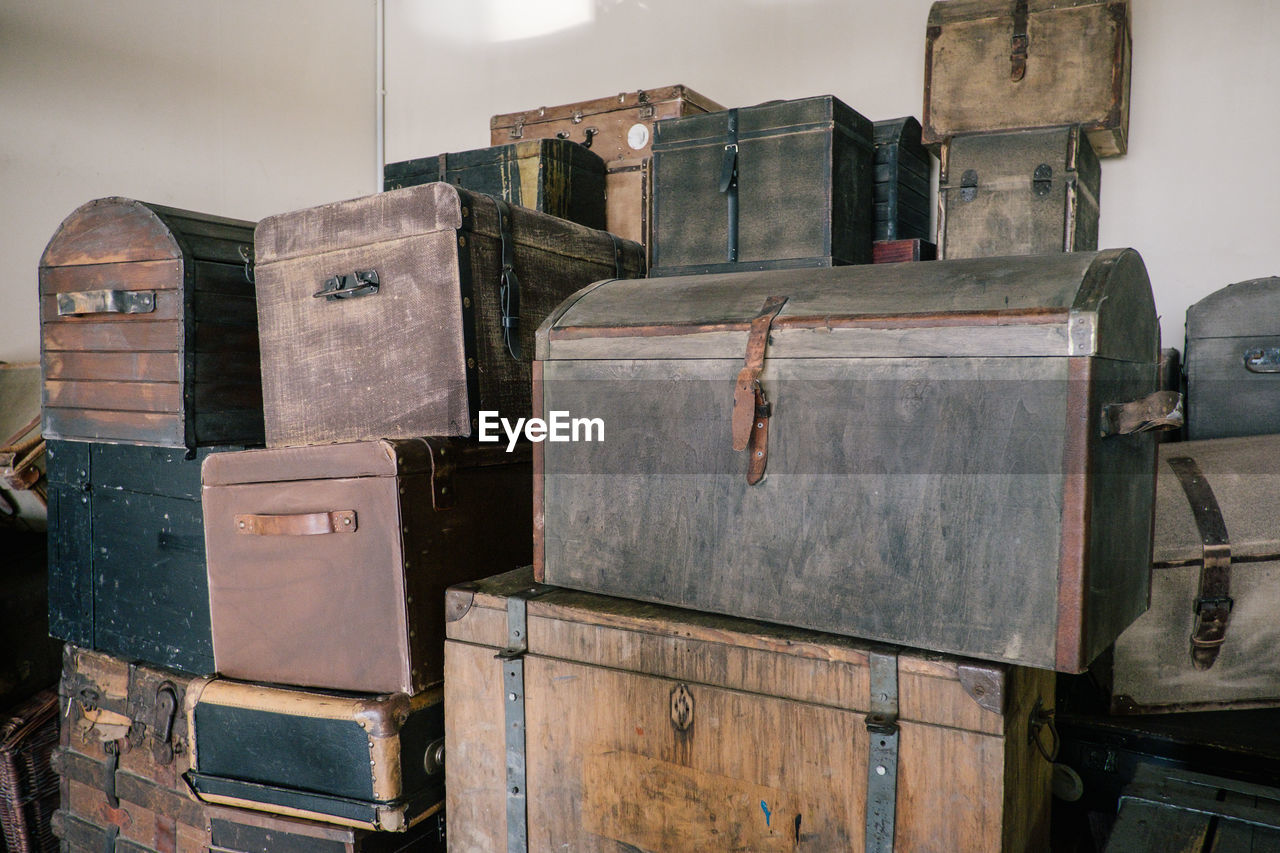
241, 108
252, 107
1195, 195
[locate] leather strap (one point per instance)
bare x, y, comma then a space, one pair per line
751, 408
758, 447
301, 524
617, 255
1213, 603
508, 284
1018, 42
729, 184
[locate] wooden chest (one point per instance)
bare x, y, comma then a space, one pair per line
126, 552
1233, 361
328, 564
620, 130
149, 333
608, 724
374, 761
555, 176
244, 831
28, 786
1165, 809
902, 172
123, 752
1028, 192
877, 450
449, 284
779, 185
1210, 637
1015, 64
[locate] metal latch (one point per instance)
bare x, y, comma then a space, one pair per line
517, 129
349, 285
166, 711
1262, 360
882, 757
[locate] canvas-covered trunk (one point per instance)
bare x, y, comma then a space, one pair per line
1027, 192
1209, 639
406, 313
149, 333
902, 168
126, 552
1233, 361
328, 564
618, 128
554, 176
373, 761
1015, 64
778, 185
613, 725
914, 453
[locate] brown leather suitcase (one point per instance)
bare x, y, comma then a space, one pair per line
583, 722
405, 313
328, 564
148, 329
1017, 64
620, 130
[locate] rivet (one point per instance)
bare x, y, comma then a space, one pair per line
346, 521
462, 240
471, 362
402, 490
406, 529
444, 489
242, 525
511, 697
466, 302
760, 425
880, 771
465, 212
759, 453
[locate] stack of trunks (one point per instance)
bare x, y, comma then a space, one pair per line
617, 485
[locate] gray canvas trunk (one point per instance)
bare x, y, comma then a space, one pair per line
1233, 361
941, 442
1027, 192
1157, 665
396, 316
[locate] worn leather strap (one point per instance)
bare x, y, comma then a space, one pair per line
1018, 43
300, 524
1213, 603
729, 183
508, 285
744, 392
758, 447
617, 255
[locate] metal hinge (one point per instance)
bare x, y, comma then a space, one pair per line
882, 756
512, 658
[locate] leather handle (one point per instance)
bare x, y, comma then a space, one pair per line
301, 524
81, 302
744, 391
1213, 604
1018, 44
1159, 411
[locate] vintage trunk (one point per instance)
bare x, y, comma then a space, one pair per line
28, 785
1029, 192
328, 564
623, 725
1210, 637
937, 440
126, 552
244, 831
31, 659
23, 499
1233, 361
555, 176
381, 765
149, 333
124, 749
898, 251
1173, 810
620, 130
1016, 64
775, 186
450, 284
902, 171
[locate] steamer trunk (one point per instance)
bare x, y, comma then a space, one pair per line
381, 765
927, 448
1164, 809
328, 564
149, 333
779, 185
620, 130
420, 271
902, 168
126, 552
635, 719
124, 749
243, 831
1029, 192
1015, 64
1233, 361
554, 176
1156, 666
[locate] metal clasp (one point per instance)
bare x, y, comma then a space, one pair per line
349, 285
1262, 360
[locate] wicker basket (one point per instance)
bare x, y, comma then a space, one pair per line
28, 785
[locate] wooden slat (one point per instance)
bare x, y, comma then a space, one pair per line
162, 336
135, 275
110, 230
224, 338
136, 366
222, 278
231, 309
215, 395
91, 425
114, 396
